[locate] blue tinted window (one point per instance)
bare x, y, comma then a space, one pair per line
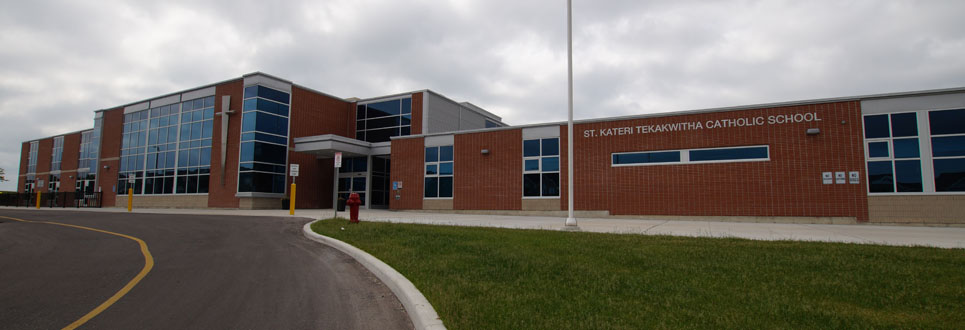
947, 121
432, 154
491, 124
385, 108
531, 165
382, 122
531, 185
950, 174
948, 146
908, 175
265, 105
256, 121
728, 154
551, 184
551, 147
260, 182
445, 186
876, 127
432, 187
265, 92
551, 164
432, 169
406, 105
360, 111
647, 157
880, 178
906, 148
263, 152
445, 154
530, 148
904, 124
878, 149
445, 168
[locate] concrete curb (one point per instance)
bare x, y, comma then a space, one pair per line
420, 311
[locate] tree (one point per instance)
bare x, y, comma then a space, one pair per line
3, 176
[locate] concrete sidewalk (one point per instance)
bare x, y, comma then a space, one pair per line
944, 237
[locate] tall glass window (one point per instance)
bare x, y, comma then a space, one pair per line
32, 157
194, 149
893, 153
167, 149
541, 167
379, 121
264, 140
57, 156
439, 172
133, 143
948, 149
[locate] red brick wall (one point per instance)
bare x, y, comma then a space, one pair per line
316, 114
224, 195
112, 132
69, 160
44, 152
416, 113
408, 162
487, 182
24, 160
787, 185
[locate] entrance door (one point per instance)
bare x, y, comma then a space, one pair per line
381, 182
352, 177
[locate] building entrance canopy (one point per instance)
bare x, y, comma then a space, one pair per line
325, 146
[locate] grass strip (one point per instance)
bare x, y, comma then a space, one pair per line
491, 278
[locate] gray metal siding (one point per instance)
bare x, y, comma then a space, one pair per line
445, 115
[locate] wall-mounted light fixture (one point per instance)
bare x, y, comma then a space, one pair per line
107, 167
484, 151
814, 131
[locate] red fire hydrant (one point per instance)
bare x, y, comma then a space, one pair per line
353, 203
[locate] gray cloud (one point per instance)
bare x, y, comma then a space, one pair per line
61, 59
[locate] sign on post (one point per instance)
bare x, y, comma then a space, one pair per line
338, 159
293, 171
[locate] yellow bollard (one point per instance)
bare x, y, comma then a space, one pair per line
291, 203
130, 199
38, 199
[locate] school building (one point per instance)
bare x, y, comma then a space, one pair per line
886, 158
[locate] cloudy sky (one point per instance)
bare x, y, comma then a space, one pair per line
61, 60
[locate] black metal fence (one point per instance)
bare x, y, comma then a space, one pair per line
57, 199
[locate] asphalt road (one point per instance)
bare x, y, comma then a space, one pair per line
210, 272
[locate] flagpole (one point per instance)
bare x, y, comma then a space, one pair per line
570, 219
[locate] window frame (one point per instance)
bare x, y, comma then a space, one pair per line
931, 150
254, 139
685, 156
438, 175
540, 171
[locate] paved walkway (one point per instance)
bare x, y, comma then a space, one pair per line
944, 237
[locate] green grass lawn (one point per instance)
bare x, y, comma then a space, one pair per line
490, 278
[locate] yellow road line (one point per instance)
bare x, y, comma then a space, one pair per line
148, 265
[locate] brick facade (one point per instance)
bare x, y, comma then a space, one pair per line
112, 132
487, 182
408, 164
223, 195
788, 185
316, 114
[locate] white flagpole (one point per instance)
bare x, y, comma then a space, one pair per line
570, 219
